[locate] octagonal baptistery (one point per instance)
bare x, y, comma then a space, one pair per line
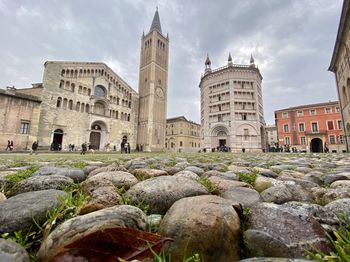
85, 102
232, 115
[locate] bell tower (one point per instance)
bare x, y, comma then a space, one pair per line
153, 88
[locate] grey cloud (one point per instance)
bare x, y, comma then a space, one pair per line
291, 40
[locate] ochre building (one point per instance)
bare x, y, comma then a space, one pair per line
182, 135
232, 115
311, 128
340, 66
83, 102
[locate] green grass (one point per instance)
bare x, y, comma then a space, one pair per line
340, 242
208, 184
248, 178
12, 180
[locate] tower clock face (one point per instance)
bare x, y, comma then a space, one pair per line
159, 92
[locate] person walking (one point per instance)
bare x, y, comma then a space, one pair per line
83, 149
35, 148
11, 145
8, 145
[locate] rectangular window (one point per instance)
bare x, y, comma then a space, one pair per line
287, 140
312, 112
330, 125
301, 127
246, 132
337, 109
300, 113
332, 139
303, 140
341, 139
340, 124
284, 114
286, 128
314, 127
328, 110
180, 143
24, 128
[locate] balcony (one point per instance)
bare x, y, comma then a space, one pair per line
319, 132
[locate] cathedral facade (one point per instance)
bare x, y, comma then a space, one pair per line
232, 115
80, 102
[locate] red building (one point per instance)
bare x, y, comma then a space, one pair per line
311, 128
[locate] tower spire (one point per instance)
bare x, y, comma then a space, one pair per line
251, 59
156, 22
229, 59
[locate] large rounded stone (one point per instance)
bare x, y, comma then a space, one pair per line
277, 232
160, 193
10, 251
136, 164
207, 225
77, 175
37, 183
239, 169
329, 179
187, 174
284, 193
245, 196
221, 184
17, 213
146, 173
195, 169
339, 207
341, 184
79, 227
100, 198
261, 183
335, 194
118, 178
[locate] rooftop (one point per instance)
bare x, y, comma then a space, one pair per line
330, 103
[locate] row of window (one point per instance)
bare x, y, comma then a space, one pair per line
313, 112
192, 133
314, 126
94, 72
332, 139
85, 108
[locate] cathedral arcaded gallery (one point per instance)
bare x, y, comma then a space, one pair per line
80, 102
232, 114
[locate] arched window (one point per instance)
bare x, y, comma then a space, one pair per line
77, 107
116, 115
70, 104
87, 108
345, 95
348, 88
72, 87
100, 91
82, 107
80, 90
61, 84
89, 92
129, 117
99, 108
85, 90
59, 102
63, 72
67, 85
118, 100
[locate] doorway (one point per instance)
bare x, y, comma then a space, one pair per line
57, 139
316, 145
222, 142
95, 139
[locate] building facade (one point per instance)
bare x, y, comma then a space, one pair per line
83, 102
182, 135
340, 66
311, 128
271, 137
153, 88
232, 114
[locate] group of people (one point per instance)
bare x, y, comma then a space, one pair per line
9, 145
125, 147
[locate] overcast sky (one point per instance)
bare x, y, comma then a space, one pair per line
291, 40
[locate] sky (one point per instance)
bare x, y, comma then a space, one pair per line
291, 40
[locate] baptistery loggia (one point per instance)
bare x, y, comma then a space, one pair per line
232, 115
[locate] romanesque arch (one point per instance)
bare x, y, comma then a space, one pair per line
100, 91
98, 135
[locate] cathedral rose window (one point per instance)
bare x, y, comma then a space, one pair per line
100, 91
